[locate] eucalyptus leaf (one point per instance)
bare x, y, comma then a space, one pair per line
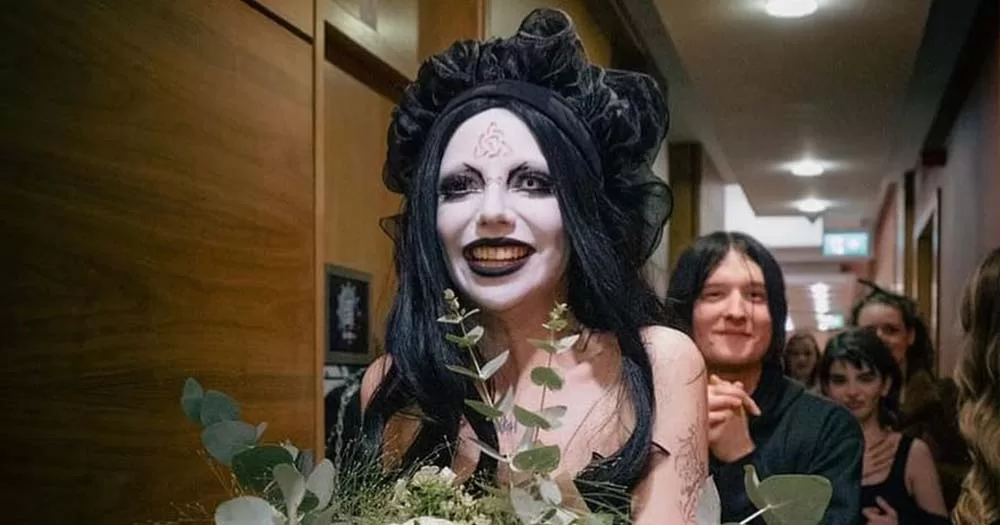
293, 488
254, 466
530, 419
709, 510
506, 403
216, 407
543, 344
483, 409
306, 461
528, 508
553, 415
191, 398
260, 429
599, 519
474, 336
463, 371
225, 439
542, 459
320, 482
566, 343
247, 510
493, 365
489, 451
789, 498
527, 439
546, 377
292, 449
457, 339
470, 313
556, 325
321, 517
549, 491
450, 319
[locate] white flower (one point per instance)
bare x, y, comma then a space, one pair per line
427, 520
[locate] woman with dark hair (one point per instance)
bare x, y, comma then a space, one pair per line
800, 359
927, 404
978, 375
526, 176
728, 289
858, 371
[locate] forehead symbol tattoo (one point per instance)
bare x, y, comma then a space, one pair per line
491, 143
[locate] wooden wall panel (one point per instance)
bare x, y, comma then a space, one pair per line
355, 197
298, 13
504, 16
386, 29
158, 223
443, 22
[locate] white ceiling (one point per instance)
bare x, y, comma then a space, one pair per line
830, 86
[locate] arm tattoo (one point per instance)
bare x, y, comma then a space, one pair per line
491, 143
691, 470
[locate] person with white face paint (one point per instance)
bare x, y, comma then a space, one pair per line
728, 290
526, 176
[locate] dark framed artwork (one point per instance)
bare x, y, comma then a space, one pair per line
348, 316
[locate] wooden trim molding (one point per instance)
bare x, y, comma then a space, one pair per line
319, 207
366, 41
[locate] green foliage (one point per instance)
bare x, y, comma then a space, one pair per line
789, 498
253, 467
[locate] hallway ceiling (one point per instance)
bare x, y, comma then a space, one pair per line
771, 91
855, 86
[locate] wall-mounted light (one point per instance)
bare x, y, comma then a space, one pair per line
807, 168
791, 8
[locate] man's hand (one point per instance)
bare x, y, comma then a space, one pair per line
728, 429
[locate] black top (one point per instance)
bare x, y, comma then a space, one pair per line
893, 491
796, 433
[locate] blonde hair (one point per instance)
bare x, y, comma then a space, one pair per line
977, 376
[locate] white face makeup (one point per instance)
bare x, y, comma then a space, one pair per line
498, 217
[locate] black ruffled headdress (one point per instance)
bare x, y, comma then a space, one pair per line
616, 119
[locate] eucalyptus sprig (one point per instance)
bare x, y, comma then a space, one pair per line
539, 499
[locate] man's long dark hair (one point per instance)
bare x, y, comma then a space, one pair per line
606, 293
698, 262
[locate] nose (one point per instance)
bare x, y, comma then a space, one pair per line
494, 209
735, 307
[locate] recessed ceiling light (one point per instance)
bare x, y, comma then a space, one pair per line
812, 205
807, 168
791, 8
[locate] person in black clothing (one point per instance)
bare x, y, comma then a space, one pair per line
859, 371
729, 291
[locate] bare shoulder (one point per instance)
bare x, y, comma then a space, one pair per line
672, 353
373, 378
920, 457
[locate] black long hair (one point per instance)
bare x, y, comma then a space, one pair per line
698, 262
606, 292
863, 348
920, 354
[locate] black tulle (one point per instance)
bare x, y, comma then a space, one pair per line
625, 113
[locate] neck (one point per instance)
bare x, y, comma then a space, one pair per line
748, 375
511, 330
872, 429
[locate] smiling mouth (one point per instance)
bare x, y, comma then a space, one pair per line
496, 257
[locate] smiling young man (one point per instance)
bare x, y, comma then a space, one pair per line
729, 290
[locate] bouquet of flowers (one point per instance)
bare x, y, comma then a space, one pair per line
278, 484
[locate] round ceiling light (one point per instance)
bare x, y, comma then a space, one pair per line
791, 8
807, 168
812, 205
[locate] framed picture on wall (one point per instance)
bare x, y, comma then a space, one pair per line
348, 316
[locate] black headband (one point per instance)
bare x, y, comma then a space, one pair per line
546, 102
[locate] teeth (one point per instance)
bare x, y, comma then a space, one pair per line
499, 253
